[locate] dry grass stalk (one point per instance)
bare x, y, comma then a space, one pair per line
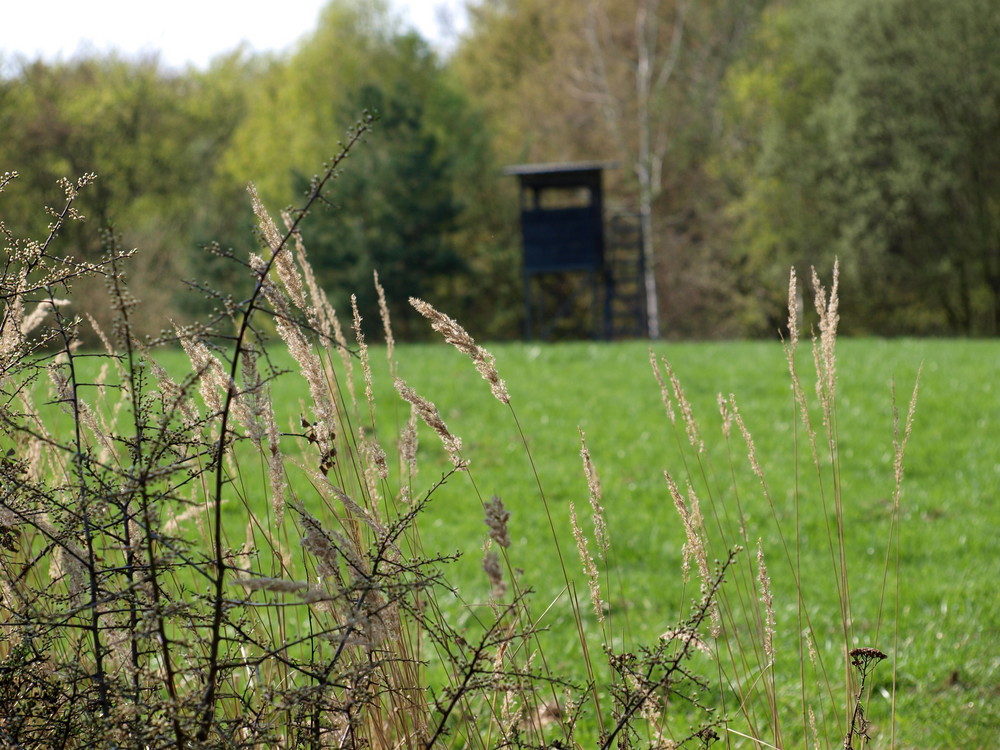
668, 402
409, 442
285, 264
494, 572
345, 357
267, 226
210, 374
799, 394
497, 517
390, 342
758, 471
597, 510
825, 350
767, 600
66, 394
589, 567
675, 393
376, 463
432, 418
727, 415
324, 429
319, 314
458, 337
690, 513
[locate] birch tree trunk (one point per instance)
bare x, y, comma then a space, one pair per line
636, 122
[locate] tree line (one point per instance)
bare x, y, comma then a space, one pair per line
751, 135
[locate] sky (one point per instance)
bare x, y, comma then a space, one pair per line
185, 31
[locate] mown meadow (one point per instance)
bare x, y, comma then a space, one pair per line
950, 614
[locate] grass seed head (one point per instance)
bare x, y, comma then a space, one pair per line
458, 337
432, 418
496, 518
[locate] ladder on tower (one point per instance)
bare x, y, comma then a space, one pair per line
625, 301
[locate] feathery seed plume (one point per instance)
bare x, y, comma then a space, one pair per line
458, 337
432, 418
494, 571
767, 600
264, 220
589, 567
288, 274
597, 510
496, 518
664, 391
826, 353
409, 442
309, 364
748, 439
794, 309
727, 415
383, 309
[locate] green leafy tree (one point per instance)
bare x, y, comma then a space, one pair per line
392, 212
153, 138
863, 130
410, 201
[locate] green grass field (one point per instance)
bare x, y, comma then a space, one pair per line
946, 656
943, 646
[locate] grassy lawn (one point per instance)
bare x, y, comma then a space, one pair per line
946, 661
943, 646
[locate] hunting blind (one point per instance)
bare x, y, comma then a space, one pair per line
571, 269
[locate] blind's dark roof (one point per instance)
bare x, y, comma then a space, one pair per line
579, 166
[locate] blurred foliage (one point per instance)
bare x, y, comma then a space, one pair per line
863, 130
784, 132
153, 138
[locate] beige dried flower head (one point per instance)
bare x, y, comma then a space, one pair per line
687, 637
668, 403
594, 486
458, 337
41, 311
383, 309
748, 439
825, 353
267, 226
287, 272
767, 599
672, 393
794, 309
689, 511
690, 425
409, 442
589, 566
432, 418
727, 415
366, 368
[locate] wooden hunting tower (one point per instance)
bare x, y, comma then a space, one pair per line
570, 271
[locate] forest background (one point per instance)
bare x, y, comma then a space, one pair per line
752, 134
